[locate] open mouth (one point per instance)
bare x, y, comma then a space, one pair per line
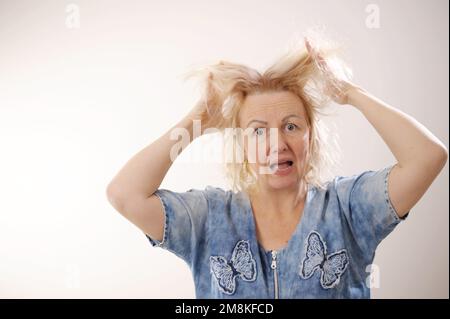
281, 165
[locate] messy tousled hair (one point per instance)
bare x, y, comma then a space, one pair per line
225, 85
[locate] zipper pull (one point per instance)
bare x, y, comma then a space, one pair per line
274, 259
275, 272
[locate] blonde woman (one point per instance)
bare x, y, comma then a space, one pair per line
282, 232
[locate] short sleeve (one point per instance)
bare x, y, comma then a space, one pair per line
185, 219
368, 208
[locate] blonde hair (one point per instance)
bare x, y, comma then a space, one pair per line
225, 85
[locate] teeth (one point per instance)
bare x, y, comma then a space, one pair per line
287, 162
274, 166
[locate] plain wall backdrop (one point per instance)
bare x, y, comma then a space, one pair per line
84, 85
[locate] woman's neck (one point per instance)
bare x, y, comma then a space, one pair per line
282, 203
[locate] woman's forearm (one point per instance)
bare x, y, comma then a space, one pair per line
143, 173
410, 142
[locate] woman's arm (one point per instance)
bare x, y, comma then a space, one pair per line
144, 172
420, 155
131, 190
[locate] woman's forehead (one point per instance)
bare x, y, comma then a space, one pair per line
273, 103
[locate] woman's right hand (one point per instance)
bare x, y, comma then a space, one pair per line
207, 109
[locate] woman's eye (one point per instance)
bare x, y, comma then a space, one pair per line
259, 131
291, 126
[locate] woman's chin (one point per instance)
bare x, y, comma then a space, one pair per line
284, 182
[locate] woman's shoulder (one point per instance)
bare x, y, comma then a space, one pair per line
371, 177
209, 193
221, 199
220, 193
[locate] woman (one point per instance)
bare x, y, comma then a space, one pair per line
284, 233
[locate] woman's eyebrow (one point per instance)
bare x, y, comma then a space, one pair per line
259, 121
284, 119
291, 115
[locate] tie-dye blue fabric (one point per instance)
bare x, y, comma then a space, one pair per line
213, 231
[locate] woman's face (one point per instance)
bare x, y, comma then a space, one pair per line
279, 166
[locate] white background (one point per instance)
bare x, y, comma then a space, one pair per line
77, 103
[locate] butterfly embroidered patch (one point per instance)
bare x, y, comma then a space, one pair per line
331, 266
241, 265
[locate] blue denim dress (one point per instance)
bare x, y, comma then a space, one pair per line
213, 231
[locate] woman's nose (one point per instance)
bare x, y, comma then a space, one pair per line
277, 143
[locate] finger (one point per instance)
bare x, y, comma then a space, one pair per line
312, 51
321, 61
308, 45
310, 48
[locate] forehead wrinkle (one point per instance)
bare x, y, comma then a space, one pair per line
283, 110
266, 103
274, 97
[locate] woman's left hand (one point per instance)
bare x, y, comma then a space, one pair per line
335, 87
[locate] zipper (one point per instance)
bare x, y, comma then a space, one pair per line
275, 273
